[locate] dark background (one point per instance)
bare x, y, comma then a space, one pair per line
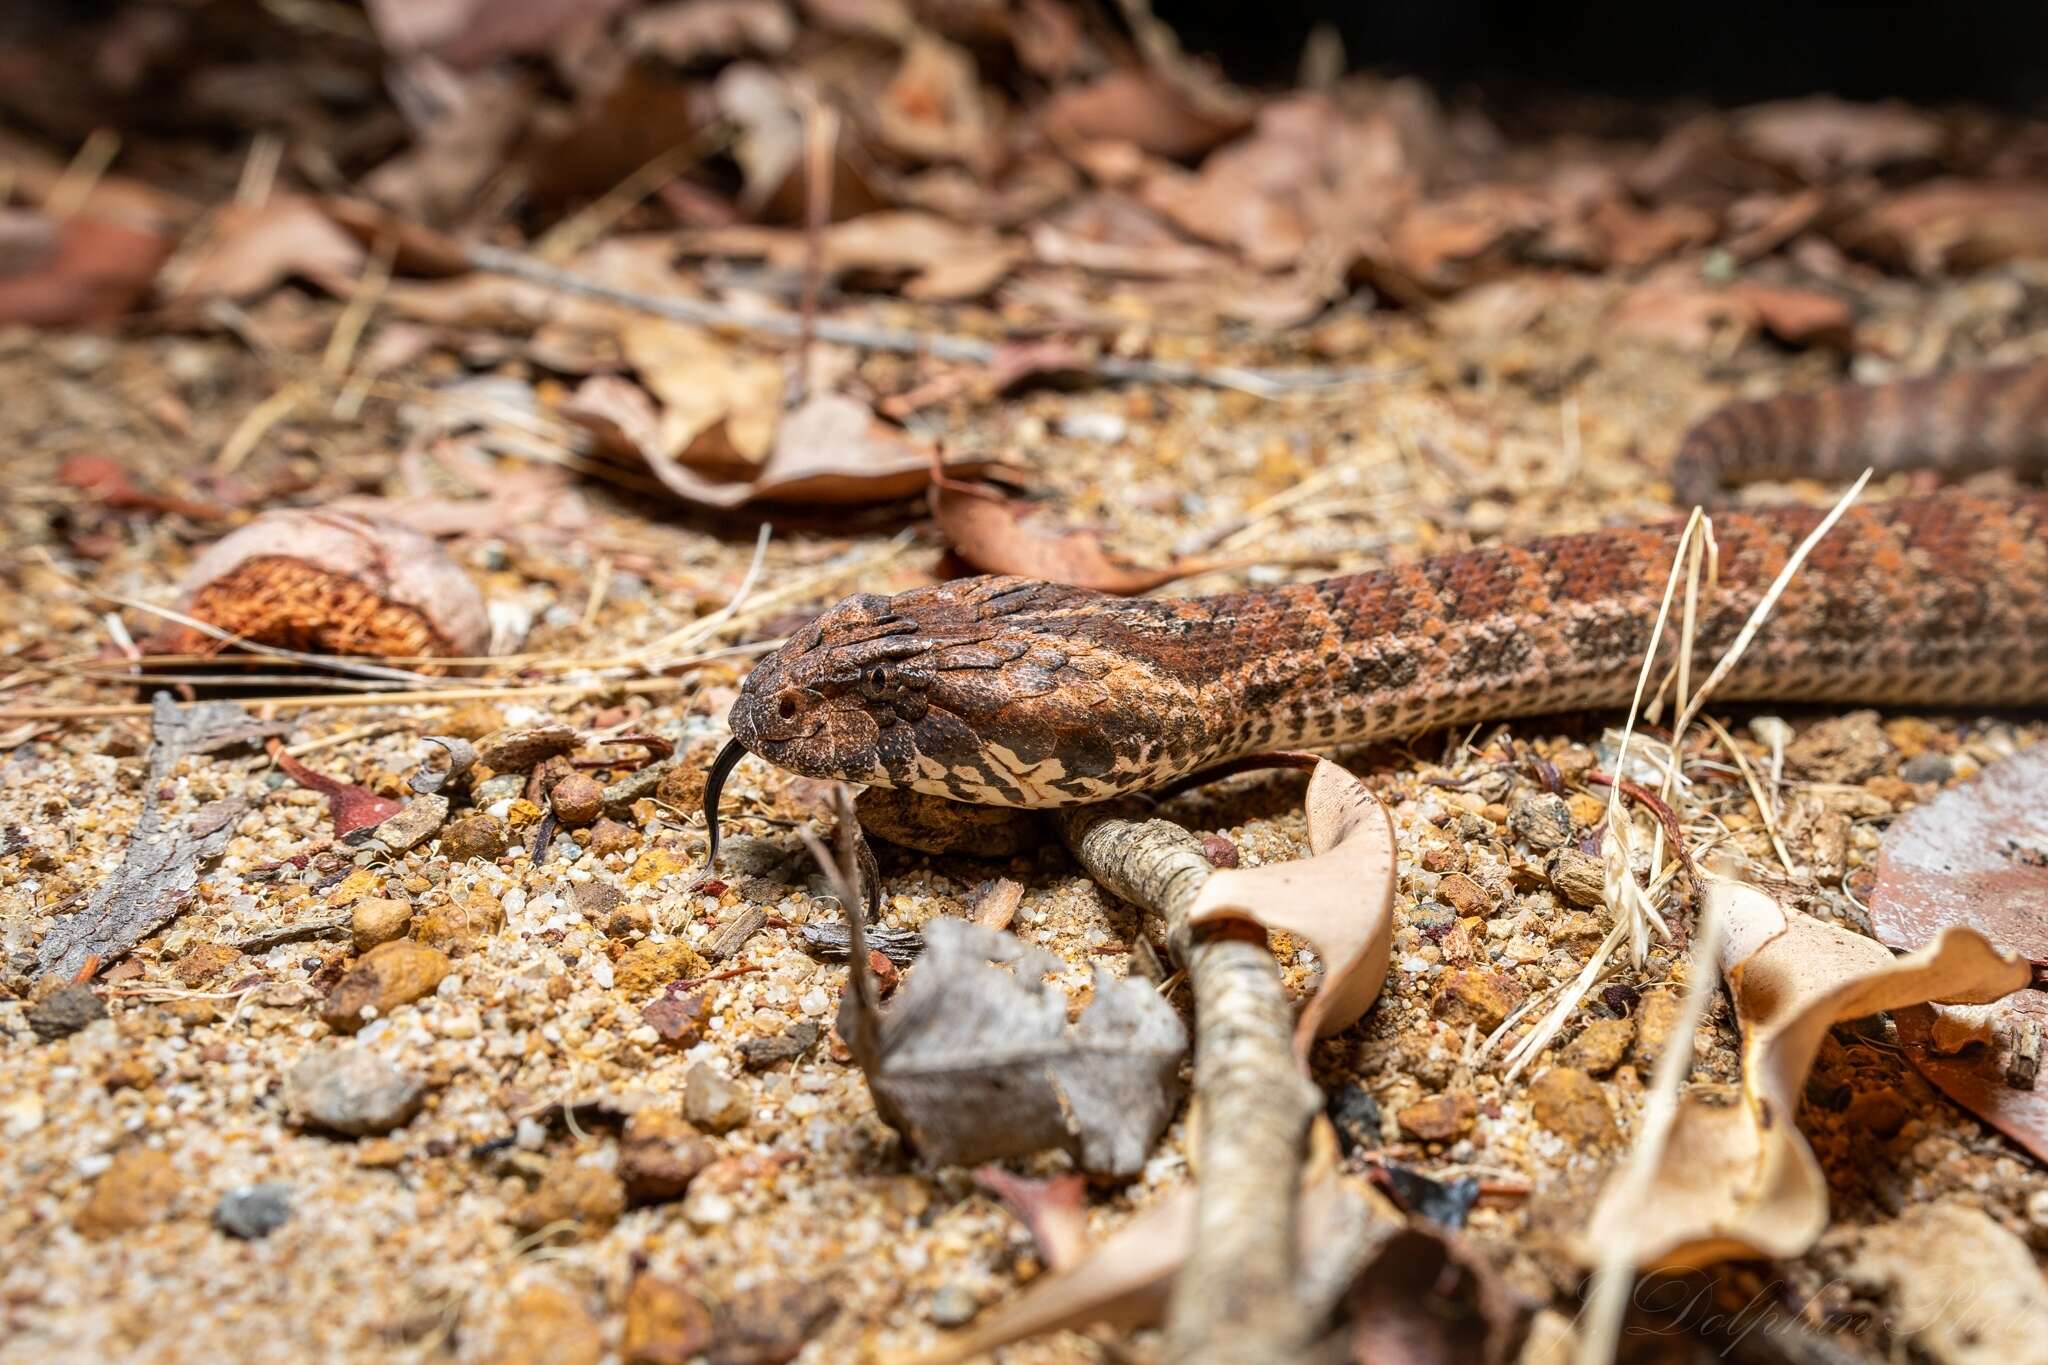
1987, 51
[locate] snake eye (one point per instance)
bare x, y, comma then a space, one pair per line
786, 708
877, 679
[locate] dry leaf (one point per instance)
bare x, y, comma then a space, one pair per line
1961, 1289
1686, 317
1977, 1076
720, 402
830, 450
1797, 317
254, 250
996, 534
1738, 1180
1055, 1210
75, 271
1124, 1279
1340, 898
929, 257
974, 1063
1951, 225
1977, 854
1138, 107
684, 31
352, 807
1822, 138
1428, 1298
471, 32
932, 109
451, 159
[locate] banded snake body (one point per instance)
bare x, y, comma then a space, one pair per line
1012, 692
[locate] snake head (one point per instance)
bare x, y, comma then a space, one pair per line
996, 690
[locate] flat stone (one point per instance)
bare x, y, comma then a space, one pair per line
713, 1102
648, 967
389, 975
254, 1211
1655, 1017
545, 1324
1440, 1118
1578, 877
757, 1054
1464, 895
677, 1019
666, 1324
352, 1090
475, 838
769, 1323
461, 927
1841, 749
518, 748
660, 1153
583, 1199
378, 920
413, 825
1475, 995
1600, 1046
1572, 1104
135, 1191
1540, 819
64, 1012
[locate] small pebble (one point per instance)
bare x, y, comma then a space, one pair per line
1541, 820
64, 1012
1928, 767
378, 920
475, 838
577, 799
953, 1306
254, 1211
712, 1101
352, 1090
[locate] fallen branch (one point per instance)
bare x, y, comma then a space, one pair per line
944, 345
1237, 1298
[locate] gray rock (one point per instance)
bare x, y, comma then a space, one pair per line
413, 825
253, 1211
349, 1089
503, 787
1928, 768
64, 1012
953, 1306
1541, 819
713, 1102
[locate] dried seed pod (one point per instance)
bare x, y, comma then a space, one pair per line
332, 583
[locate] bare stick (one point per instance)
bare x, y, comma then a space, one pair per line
1236, 1298
946, 346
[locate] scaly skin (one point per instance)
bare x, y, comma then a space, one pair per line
1005, 691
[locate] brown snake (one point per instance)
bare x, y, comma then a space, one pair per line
1005, 691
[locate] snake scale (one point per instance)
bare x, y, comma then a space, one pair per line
1007, 691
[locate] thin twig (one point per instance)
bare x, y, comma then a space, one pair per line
944, 345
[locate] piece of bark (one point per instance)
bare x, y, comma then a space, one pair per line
161, 865
734, 936
832, 941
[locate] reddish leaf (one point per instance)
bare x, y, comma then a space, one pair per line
74, 271
1975, 855
997, 534
1975, 1076
353, 807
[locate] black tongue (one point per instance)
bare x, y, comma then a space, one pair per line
714, 783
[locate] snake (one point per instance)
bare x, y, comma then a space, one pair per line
1008, 691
